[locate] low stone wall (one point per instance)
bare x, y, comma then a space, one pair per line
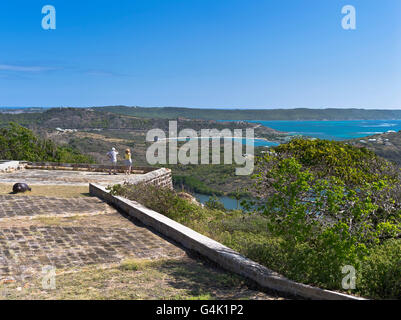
160, 177
84, 167
10, 166
220, 254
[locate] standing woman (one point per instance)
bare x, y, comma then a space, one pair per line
128, 161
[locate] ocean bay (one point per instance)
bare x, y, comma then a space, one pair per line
333, 130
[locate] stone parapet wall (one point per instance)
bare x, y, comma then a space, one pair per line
160, 177
84, 167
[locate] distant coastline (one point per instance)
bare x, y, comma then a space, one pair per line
298, 114
235, 114
17, 110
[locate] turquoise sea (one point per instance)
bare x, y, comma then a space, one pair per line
333, 130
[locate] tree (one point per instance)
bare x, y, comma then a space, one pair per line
237, 195
329, 202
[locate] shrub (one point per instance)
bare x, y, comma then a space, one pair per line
164, 201
380, 275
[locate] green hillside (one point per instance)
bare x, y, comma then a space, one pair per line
19, 143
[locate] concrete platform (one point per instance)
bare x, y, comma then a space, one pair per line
63, 177
65, 233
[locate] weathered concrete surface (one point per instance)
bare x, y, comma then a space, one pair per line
65, 233
63, 177
56, 176
21, 207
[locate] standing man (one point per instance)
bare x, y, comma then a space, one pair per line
113, 158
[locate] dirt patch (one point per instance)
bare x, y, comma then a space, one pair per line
49, 190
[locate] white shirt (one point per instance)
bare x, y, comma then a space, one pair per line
113, 155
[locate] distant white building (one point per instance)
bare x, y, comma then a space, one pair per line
66, 130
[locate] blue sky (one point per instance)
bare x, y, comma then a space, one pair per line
201, 53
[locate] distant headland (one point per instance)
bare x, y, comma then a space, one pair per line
239, 114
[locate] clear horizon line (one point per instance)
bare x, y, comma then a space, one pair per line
209, 108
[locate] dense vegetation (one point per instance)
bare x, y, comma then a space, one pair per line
321, 205
193, 184
19, 143
217, 180
255, 114
331, 205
